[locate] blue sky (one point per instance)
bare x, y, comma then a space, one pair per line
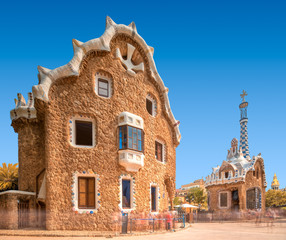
206, 52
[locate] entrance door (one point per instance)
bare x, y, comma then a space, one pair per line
235, 200
23, 211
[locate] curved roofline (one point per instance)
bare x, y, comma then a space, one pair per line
47, 76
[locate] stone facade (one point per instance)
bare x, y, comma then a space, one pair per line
46, 150
11, 207
184, 190
239, 183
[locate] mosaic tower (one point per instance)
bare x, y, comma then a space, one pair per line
243, 126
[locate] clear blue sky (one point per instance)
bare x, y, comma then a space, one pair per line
206, 52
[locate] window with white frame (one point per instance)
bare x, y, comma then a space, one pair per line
151, 105
85, 196
103, 85
127, 201
82, 131
131, 138
86, 192
154, 197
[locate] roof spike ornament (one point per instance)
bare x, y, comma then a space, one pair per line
21, 100
133, 26
243, 126
109, 22
76, 44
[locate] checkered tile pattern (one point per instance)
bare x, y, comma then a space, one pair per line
244, 138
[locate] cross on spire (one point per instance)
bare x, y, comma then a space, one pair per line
244, 93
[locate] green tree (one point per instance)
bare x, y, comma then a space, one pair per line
177, 201
8, 177
275, 198
197, 195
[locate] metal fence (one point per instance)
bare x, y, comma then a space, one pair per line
235, 216
131, 225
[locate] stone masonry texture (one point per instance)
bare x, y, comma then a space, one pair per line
44, 142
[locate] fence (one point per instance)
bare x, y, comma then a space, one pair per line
235, 216
131, 225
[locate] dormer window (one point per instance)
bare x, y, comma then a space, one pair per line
103, 85
226, 174
151, 105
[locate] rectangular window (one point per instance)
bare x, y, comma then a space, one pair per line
159, 151
149, 106
223, 199
126, 193
83, 135
103, 88
226, 174
153, 199
130, 138
86, 193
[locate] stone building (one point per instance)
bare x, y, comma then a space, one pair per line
239, 183
275, 183
96, 137
183, 191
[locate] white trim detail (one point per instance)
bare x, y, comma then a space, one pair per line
127, 118
18, 192
74, 187
131, 160
153, 184
154, 104
132, 193
104, 77
228, 200
72, 130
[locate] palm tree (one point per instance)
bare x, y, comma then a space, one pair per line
8, 177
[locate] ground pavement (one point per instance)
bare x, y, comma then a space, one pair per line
198, 231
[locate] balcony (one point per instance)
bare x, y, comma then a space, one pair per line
132, 161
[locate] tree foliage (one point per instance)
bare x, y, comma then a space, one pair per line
177, 201
197, 196
8, 177
275, 198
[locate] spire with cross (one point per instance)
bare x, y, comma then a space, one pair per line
243, 95
243, 125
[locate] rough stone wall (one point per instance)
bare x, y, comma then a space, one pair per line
9, 210
214, 191
30, 152
76, 95
250, 182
